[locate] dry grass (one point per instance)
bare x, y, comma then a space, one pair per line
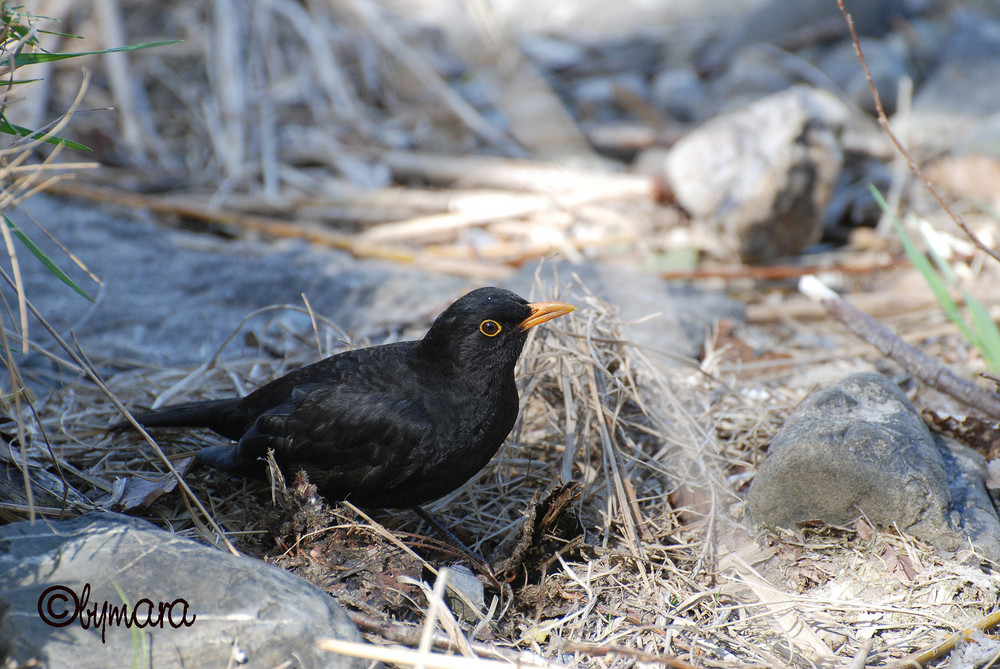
646, 567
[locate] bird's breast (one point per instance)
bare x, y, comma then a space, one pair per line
480, 418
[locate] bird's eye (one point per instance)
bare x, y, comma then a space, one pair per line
490, 328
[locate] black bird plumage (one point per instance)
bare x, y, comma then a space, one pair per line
390, 426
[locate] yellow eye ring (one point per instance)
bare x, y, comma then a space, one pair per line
490, 328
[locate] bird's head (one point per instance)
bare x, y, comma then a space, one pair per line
486, 329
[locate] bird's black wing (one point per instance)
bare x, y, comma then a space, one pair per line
353, 442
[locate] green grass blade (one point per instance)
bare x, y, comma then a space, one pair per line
20, 131
58, 34
137, 640
44, 259
923, 265
936, 283
23, 59
989, 334
984, 335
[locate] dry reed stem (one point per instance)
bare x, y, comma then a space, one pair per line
120, 79
536, 116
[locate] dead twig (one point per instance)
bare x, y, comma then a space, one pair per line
939, 650
860, 659
409, 635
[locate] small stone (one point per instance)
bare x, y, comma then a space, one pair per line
465, 594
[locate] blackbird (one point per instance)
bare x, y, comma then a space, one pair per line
391, 426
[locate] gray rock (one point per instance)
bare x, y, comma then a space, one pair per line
860, 447
553, 53
465, 594
967, 474
596, 97
762, 176
222, 610
757, 72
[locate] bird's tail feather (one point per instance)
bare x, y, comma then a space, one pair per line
222, 416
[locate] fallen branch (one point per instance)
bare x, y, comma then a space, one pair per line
488, 262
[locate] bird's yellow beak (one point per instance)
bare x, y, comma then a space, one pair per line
545, 311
